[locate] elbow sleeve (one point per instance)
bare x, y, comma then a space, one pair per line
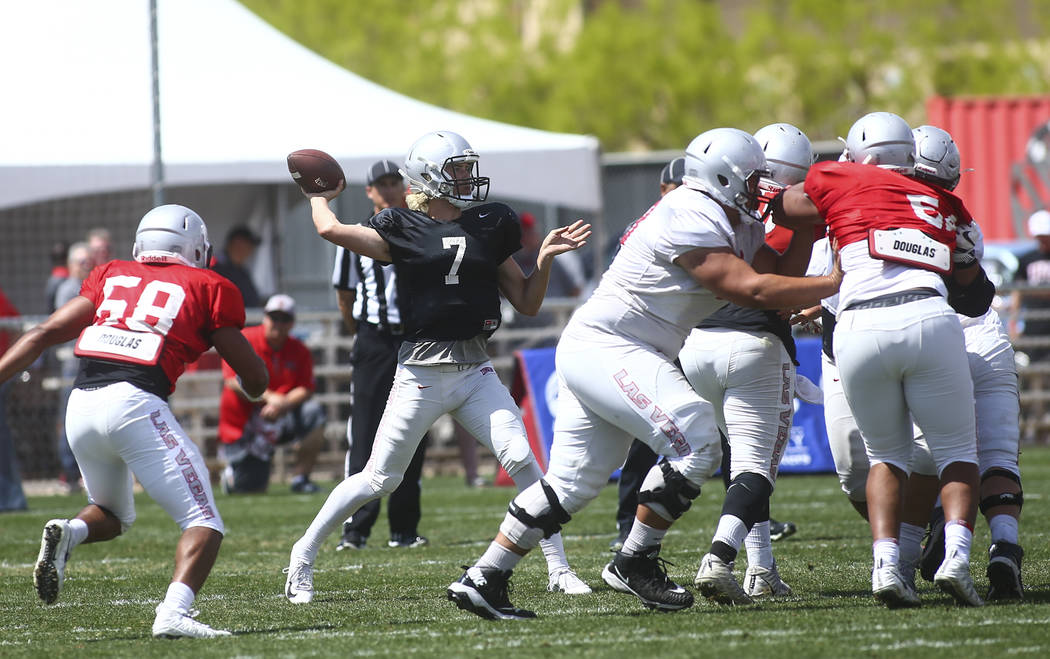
973, 300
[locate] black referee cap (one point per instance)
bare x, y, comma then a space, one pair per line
673, 171
380, 169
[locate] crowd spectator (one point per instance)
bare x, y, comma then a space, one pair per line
1033, 270
59, 271
11, 495
100, 243
250, 431
232, 263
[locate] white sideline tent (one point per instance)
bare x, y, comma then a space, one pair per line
236, 97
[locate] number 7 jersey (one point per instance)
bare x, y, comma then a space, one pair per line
151, 320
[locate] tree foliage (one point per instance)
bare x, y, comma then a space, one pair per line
648, 74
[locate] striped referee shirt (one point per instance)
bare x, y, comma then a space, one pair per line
375, 284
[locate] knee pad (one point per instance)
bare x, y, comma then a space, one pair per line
1003, 498
510, 443
748, 498
533, 515
666, 492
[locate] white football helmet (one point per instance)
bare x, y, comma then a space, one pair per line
172, 234
789, 155
937, 157
727, 164
443, 165
883, 139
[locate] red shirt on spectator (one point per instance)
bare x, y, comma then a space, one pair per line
6, 310
290, 367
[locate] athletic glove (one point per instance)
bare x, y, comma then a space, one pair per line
969, 245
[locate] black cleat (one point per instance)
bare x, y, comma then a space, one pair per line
486, 593
1004, 572
781, 530
645, 577
933, 548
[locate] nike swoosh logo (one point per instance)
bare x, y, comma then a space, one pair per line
834, 379
425, 387
481, 215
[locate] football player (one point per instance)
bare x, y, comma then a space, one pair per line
453, 257
742, 361
677, 263
991, 361
897, 341
137, 324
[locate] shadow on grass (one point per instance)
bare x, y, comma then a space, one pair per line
290, 628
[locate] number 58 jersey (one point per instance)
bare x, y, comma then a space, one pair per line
150, 321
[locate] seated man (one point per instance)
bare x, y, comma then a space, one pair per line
250, 431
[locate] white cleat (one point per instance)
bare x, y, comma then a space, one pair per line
566, 581
50, 570
172, 623
953, 577
891, 589
299, 586
716, 582
760, 582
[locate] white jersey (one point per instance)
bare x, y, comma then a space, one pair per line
820, 263
644, 295
867, 277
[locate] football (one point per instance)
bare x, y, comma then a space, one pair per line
314, 170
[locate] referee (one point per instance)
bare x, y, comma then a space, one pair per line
368, 301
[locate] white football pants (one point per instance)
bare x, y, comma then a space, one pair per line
120, 430
844, 438
750, 379
908, 358
612, 391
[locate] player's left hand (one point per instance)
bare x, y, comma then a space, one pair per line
565, 239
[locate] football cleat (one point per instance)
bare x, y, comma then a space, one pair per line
409, 540
50, 570
299, 586
890, 588
172, 623
566, 581
933, 548
485, 592
781, 530
716, 582
303, 485
645, 577
1004, 572
953, 577
760, 582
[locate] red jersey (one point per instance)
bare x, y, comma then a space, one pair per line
151, 316
855, 198
290, 367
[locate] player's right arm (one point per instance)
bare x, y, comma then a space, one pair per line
732, 278
65, 324
239, 354
366, 241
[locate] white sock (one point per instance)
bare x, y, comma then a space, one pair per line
642, 537
957, 539
885, 552
731, 531
78, 532
910, 546
344, 501
498, 557
179, 597
1004, 529
759, 546
554, 551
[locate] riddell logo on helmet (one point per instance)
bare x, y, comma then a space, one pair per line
158, 258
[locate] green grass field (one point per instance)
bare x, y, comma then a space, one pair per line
382, 601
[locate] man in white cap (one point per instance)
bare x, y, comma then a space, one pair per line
250, 431
1033, 270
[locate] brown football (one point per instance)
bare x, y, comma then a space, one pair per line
314, 170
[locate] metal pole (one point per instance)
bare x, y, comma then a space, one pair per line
157, 174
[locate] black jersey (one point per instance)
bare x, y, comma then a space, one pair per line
447, 272
733, 316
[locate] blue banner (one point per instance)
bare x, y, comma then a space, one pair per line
807, 452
